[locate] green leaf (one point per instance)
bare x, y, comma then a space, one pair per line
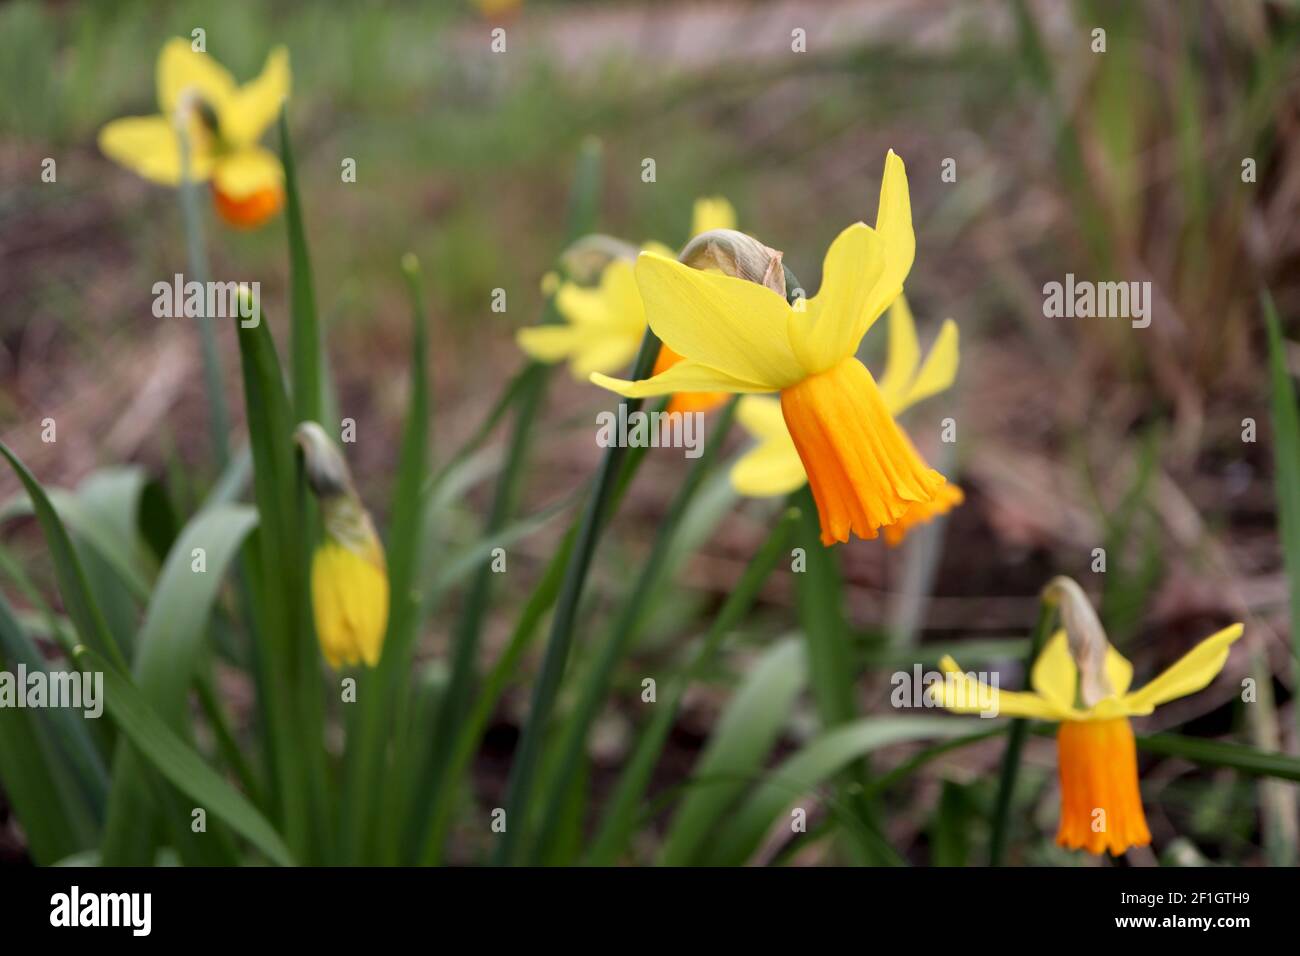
600, 505
178, 762
1217, 753
950, 831
380, 691
1002, 821
51, 773
659, 565
305, 330
830, 666
288, 664
77, 599
744, 736
1286, 441
166, 661
812, 766
619, 819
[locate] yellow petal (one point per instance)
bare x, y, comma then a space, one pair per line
1193, 671
735, 327
615, 302
761, 416
938, 371
247, 171
685, 376
904, 355
605, 354
349, 604
256, 104
894, 225
181, 71
772, 467
1055, 676
767, 470
149, 146
548, 343
1118, 671
835, 319
963, 695
712, 212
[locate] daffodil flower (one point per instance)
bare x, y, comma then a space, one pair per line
1080, 681
773, 467
604, 324
349, 576
742, 337
222, 123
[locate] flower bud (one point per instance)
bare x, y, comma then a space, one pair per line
1085, 635
349, 575
738, 255
587, 258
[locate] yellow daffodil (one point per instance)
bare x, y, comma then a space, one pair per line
740, 336
604, 324
773, 466
1080, 681
349, 576
222, 123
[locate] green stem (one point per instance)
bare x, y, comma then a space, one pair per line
524, 767
213, 381
471, 730
619, 819
1015, 744
626, 626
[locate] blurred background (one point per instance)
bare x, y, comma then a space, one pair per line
1073, 434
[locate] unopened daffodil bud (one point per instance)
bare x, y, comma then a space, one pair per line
1085, 636
737, 255
349, 576
587, 258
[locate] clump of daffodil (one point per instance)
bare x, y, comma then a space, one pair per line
743, 336
221, 123
1082, 682
773, 466
349, 577
605, 322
